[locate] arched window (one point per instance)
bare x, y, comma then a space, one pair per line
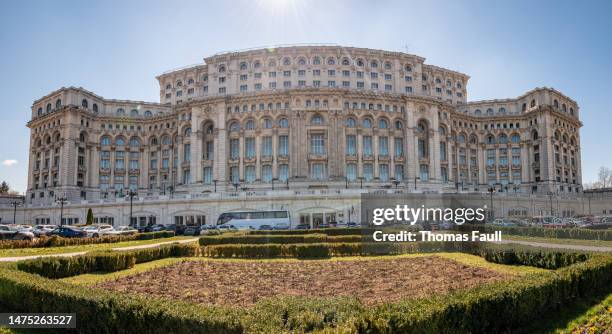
120, 112
286, 61
267, 123
49, 107
179, 83
58, 104
234, 127
84, 104
490, 139
382, 124
563, 108
120, 141
366, 123
166, 140
373, 64
571, 111
502, 110
105, 141
190, 81
524, 107
271, 63
222, 69
250, 125
532, 104
503, 139
316, 61
168, 86
187, 132
283, 123
148, 113
134, 112
95, 107
442, 131
421, 127
473, 139
243, 66
556, 104
134, 142
210, 129
331, 61
302, 61
515, 138
153, 141
461, 138
316, 120
489, 111
408, 68
399, 125
82, 137
350, 122
359, 62
387, 65
535, 135
346, 62
477, 112
40, 111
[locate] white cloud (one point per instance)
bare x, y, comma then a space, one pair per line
9, 162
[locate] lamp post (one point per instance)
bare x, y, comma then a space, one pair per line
491, 191
346, 182
215, 183
131, 194
415, 182
395, 182
287, 182
361, 182
235, 184
15, 204
61, 201
550, 195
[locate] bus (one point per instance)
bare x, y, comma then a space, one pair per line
274, 219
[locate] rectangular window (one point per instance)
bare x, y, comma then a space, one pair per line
287, 84
443, 151
301, 73
283, 172
210, 150
272, 74
346, 84
351, 145
424, 171
250, 148
286, 73
317, 144
367, 145
316, 83
234, 149
351, 172
243, 88
360, 84
399, 172
207, 175
490, 157
346, 73
316, 73
374, 75
318, 171
368, 172
266, 146
257, 86
272, 85
249, 174
398, 146
374, 85
383, 146
408, 89
234, 175
266, 173
283, 145
383, 172
422, 149
331, 84
187, 152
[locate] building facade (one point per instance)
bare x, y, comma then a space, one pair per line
300, 118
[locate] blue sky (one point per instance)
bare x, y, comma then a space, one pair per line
115, 49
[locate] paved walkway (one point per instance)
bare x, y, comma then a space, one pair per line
20, 258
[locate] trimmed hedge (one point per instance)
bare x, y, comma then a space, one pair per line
276, 239
57, 241
556, 233
101, 311
328, 231
492, 308
109, 261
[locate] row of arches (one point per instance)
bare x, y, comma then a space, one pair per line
49, 107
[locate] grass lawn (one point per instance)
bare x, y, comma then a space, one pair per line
83, 248
470, 260
601, 243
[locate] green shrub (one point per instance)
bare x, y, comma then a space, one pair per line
275, 239
104, 261
57, 241
328, 231
101, 311
556, 233
530, 256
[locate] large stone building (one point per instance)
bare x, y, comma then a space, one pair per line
291, 126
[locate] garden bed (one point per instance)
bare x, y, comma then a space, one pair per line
244, 283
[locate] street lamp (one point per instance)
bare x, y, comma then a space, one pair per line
491, 190
61, 201
215, 183
395, 182
131, 194
415, 182
15, 205
346, 181
361, 182
287, 182
550, 195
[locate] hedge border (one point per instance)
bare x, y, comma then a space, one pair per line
57, 241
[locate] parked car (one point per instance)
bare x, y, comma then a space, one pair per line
226, 227
192, 230
122, 230
265, 227
171, 227
24, 228
352, 225
281, 226
8, 232
68, 232
323, 225
179, 229
97, 230
302, 227
154, 228
41, 230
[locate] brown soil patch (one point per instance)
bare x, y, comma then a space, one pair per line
243, 283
